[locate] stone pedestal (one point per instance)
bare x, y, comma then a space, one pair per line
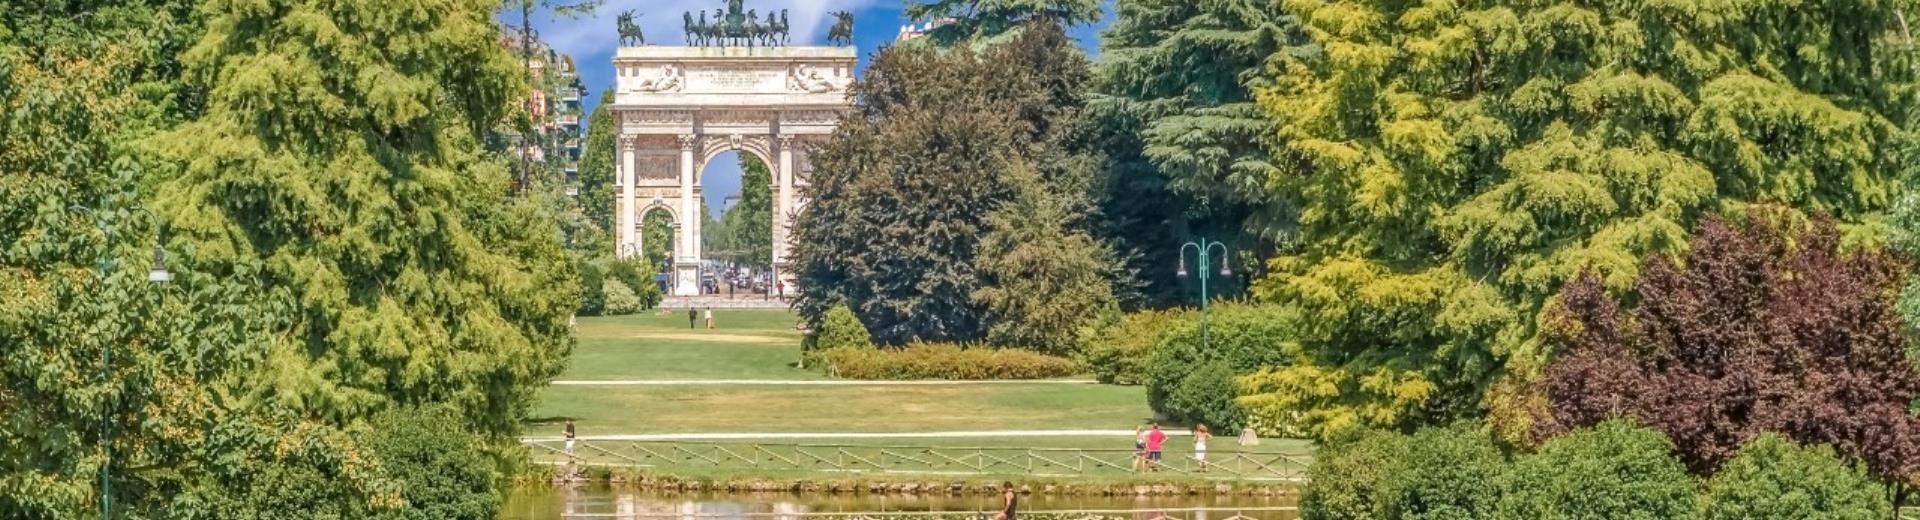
686, 276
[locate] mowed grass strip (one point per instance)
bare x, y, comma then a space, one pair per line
746, 345
683, 409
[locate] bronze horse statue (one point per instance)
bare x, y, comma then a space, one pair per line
630, 32
842, 31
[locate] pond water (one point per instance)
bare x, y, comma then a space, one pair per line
603, 502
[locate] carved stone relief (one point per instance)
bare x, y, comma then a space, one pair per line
668, 78
815, 79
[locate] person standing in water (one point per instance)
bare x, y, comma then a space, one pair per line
1012, 499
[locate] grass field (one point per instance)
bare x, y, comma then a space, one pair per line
763, 345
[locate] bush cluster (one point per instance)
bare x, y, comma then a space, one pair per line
945, 361
1189, 382
1613, 470
1119, 350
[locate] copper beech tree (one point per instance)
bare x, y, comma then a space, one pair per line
1763, 326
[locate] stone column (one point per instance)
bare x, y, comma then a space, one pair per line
625, 176
782, 213
687, 267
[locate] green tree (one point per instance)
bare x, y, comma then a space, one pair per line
337, 169
658, 229
597, 158
1045, 284
840, 329
986, 22
441, 472
1454, 165
1175, 82
904, 199
621, 300
1614, 470
746, 229
1772, 479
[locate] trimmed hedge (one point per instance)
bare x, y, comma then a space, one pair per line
945, 361
620, 299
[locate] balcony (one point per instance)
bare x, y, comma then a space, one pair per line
569, 120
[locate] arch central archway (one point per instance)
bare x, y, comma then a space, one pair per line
679, 107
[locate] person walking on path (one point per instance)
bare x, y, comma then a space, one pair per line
1200, 436
1156, 440
709, 318
569, 435
1139, 447
690, 317
1012, 502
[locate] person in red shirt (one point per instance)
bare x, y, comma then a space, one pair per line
1156, 439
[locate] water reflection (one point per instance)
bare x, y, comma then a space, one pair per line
602, 502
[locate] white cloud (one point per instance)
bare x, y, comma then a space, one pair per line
661, 21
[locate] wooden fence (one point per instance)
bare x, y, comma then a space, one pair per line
928, 460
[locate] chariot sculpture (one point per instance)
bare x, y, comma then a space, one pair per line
736, 26
629, 31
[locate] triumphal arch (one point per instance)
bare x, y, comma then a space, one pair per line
678, 107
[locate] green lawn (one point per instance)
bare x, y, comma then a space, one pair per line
763, 345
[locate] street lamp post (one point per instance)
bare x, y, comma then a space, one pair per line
158, 273
1203, 250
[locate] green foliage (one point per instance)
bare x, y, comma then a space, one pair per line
1435, 473
593, 292
1045, 284
338, 170
1444, 473
1337, 378
985, 22
1120, 350
441, 472
745, 232
905, 199
1773, 479
658, 234
596, 165
620, 299
1615, 470
1344, 482
1191, 382
1176, 82
945, 361
639, 283
841, 329
1453, 165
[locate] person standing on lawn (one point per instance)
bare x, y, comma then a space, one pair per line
1156, 440
1139, 447
569, 435
691, 317
709, 318
1200, 437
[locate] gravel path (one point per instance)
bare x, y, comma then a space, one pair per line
837, 382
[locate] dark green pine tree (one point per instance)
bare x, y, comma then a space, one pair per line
1178, 122
596, 166
989, 22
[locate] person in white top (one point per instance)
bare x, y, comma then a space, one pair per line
1200, 436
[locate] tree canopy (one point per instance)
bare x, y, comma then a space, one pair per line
1452, 165
1760, 328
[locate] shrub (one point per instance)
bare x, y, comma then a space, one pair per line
1118, 351
945, 361
1242, 338
1344, 481
1444, 473
632, 272
841, 329
593, 295
1436, 473
620, 299
441, 471
1613, 471
1771, 478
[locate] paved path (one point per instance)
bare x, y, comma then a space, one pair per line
721, 436
833, 382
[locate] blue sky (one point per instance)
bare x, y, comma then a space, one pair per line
591, 41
